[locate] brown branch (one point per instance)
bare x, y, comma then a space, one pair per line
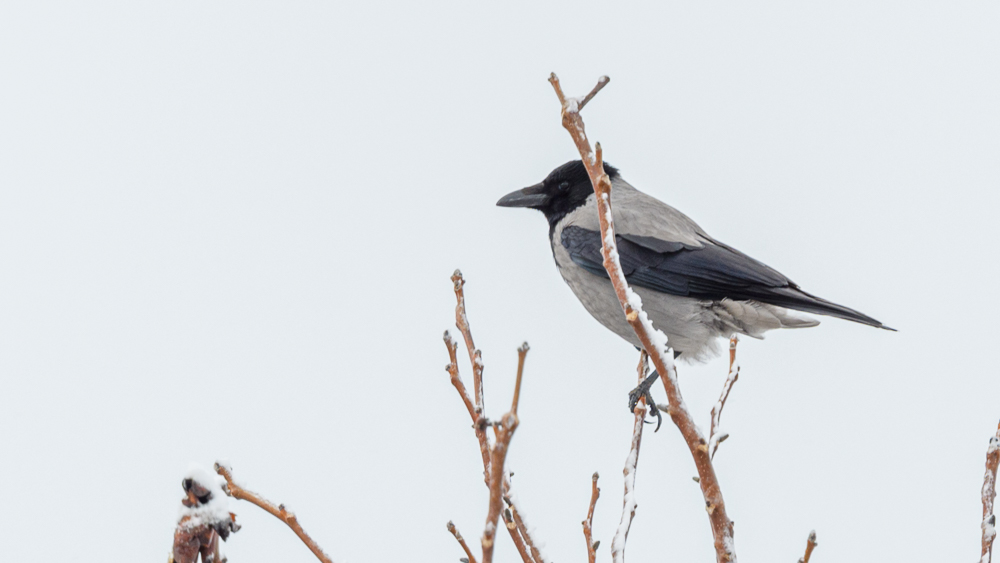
511, 499
478, 421
631, 465
989, 493
810, 546
652, 340
498, 456
461, 541
588, 524
279, 511
493, 456
715, 436
475, 356
519, 543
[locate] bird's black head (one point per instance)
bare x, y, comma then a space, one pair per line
562, 191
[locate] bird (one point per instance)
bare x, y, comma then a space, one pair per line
694, 288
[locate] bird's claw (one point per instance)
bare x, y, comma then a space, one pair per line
642, 391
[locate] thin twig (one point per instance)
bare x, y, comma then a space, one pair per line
653, 340
715, 435
989, 493
279, 511
461, 541
810, 546
631, 465
588, 523
511, 499
477, 417
475, 356
504, 429
519, 543
498, 457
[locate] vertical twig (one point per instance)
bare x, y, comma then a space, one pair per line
631, 465
478, 421
588, 523
989, 493
653, 340
475, 356
715, 435
810, 546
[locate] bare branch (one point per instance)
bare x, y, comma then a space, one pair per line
475, 356
478, 421
461, 541
511, 499
653, 340
279, 511
498, 456
810, 546
519, 543
989, 493
631, 465
588, 524
715, 435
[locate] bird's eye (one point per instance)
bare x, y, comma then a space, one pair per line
563, 186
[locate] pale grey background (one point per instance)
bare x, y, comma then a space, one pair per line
226, 230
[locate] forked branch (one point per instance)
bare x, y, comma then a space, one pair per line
715, 435
278, 511
653, 340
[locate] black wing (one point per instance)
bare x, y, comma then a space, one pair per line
713, 271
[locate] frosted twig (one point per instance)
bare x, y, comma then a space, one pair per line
461, 541
588, 523
519, 543
279, 511
521, 526
629, 503
715, 435
989, 493
652, 340
810, 546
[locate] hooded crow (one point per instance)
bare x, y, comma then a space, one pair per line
693, 287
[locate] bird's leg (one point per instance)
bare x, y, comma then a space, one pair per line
643, 391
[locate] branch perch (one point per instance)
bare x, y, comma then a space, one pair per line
279, 511
653, 340
631, 465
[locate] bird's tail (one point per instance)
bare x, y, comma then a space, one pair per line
795, 298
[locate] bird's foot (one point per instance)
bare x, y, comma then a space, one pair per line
643, 391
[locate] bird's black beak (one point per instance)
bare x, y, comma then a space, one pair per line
532, 196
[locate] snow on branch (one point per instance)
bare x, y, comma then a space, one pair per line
629, 503
716, 436
204, 519
989, 493
278, 511
494, 455
653, 340
810, 546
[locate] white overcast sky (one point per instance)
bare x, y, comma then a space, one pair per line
226, 231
